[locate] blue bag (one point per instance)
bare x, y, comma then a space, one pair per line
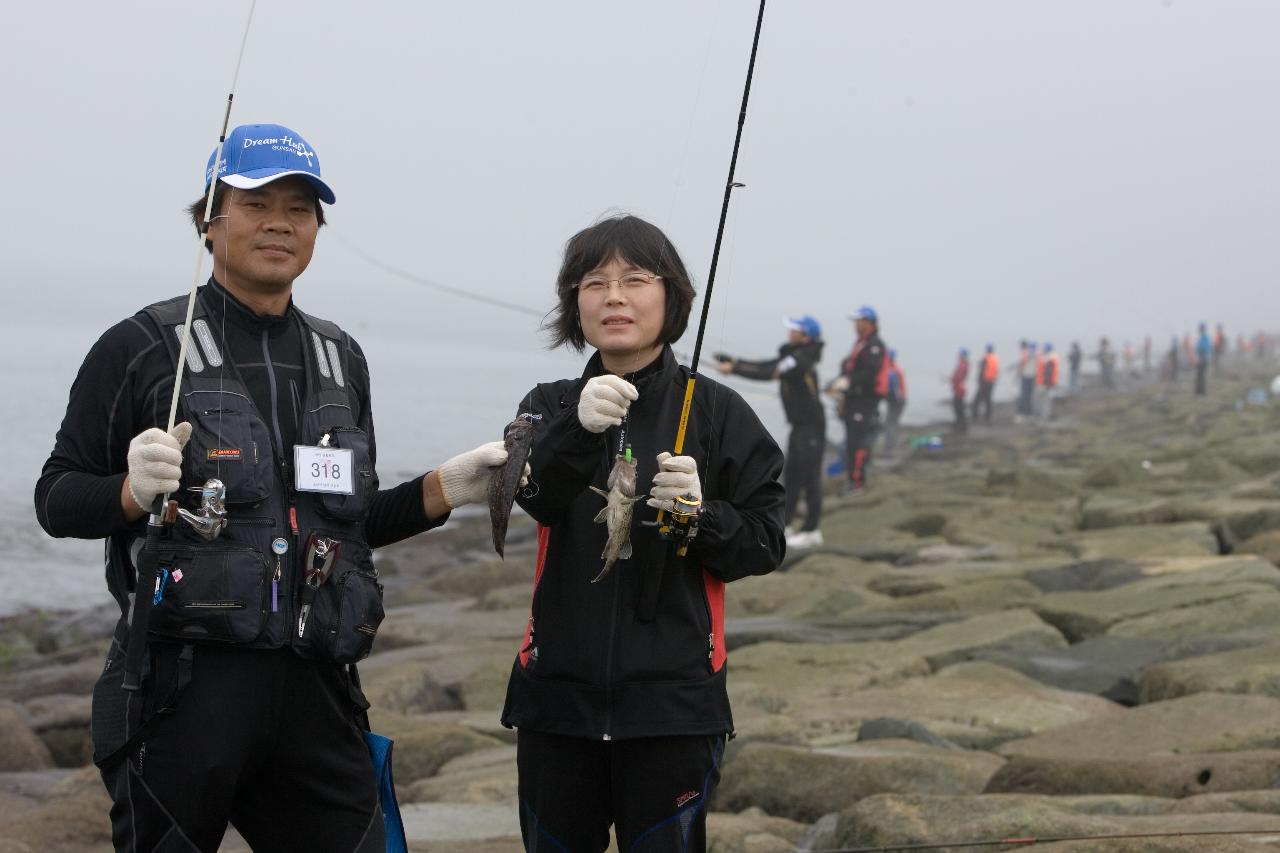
380, 753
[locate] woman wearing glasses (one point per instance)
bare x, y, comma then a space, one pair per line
618, 690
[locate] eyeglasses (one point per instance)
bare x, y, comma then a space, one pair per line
632, 282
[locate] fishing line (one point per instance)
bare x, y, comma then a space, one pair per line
697, 100
435, 285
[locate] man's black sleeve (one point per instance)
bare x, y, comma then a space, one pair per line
756, 369
118, 392
396, 513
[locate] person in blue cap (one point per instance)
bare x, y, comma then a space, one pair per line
247, 712
863, 382
796, 369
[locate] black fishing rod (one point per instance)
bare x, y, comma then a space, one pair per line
680, 529
149, 556
1029, 841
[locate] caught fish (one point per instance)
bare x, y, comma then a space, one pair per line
518, 440
617, 512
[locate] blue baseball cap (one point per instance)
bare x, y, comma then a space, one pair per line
866, 312
964, 352
806, 324
254, 155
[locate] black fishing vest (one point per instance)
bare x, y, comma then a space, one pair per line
245, 587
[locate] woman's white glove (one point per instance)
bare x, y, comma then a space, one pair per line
155, 463
464, 479
604, 402
677, 477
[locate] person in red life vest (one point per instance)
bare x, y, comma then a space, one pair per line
988, 373
959, 380
1048, 372
861, 385
896, 398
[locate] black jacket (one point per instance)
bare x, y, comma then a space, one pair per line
589, 666
798, 380
867, 370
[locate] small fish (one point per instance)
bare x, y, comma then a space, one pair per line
518, 439
617, 512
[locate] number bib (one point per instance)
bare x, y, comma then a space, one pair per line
322, 469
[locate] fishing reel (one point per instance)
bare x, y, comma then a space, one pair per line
212, 517
681, 524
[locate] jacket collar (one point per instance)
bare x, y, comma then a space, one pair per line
655, 371
240, 315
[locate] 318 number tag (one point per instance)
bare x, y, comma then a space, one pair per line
322, 469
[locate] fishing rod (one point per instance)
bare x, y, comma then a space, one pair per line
682, 526
149, 556
1029, 841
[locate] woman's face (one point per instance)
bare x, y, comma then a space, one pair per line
622, 308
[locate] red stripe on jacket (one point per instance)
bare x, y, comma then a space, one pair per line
715, 600
544, 535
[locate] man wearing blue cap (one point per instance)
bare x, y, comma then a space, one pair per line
863, 382
796, 369
266, 588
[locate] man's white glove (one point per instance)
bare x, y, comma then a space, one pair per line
677, 477
155, 463
838, 385
604, 402
464, 479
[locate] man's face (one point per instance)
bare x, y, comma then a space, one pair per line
795, 336
263, 238
862, 327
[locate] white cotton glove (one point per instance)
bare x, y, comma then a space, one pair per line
677, 477
604, 402
464, 479
155, 463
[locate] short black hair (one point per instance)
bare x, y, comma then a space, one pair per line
196, 210
635, 241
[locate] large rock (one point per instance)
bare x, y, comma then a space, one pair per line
20, 747
1203, 722
483, 776
1187, 539
1265, 545
1249, 670
752, 831
422, 748
1256, 615
916, 819
1151, 775
975, 705
805, 784
1172, 587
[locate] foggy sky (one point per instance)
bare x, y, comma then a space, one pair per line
976, 170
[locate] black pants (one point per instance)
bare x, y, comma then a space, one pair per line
982, 401
1202, 370
654, 791
262, 739
861, 424
1026, 390
803, 474
962, 419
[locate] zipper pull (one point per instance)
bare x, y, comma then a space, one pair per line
293, 519
280, 546
711, 644
275, 589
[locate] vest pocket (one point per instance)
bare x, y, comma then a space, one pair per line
230, 443
214, 592
346, 611
350, 507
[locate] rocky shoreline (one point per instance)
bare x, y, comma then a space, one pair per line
1034, 630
